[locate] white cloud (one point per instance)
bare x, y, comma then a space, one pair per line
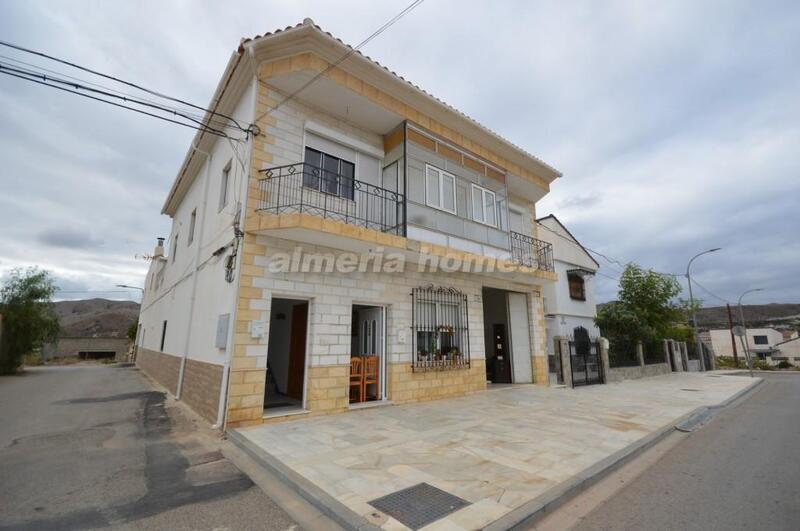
674, 123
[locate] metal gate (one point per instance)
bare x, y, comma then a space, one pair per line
584, 357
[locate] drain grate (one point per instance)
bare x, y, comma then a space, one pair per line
419, 505
695, 390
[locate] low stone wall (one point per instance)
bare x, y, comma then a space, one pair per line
163, 368
72, 347
200, 388
617, 374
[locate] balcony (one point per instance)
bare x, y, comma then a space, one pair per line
307, 204
305, 189
530, 252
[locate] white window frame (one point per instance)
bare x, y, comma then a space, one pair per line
484, 192
440, 206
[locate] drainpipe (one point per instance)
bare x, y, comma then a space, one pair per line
222, 409
198, 246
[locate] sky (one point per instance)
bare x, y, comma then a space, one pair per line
676, 124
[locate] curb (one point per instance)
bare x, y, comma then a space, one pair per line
525, 515
327, 504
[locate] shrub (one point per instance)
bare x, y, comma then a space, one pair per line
785, 365
33, 360
762, 365
726, 362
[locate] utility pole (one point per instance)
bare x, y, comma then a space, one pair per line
744, 328
733, 339
697, 344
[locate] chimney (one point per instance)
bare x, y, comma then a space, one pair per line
159, 251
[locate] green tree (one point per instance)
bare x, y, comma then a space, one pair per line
645, 310
29, 318
132, 329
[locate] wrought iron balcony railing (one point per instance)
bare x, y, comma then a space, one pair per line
531, 252
303, 188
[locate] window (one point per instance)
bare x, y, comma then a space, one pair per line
192, 223
484, 207
163, 335
440, 189
577, 289
174, 247
760, 340
441, 333
223, 186
329, 174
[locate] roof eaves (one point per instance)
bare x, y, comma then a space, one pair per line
538, 220
555, 174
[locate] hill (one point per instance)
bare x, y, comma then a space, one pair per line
773, 315
757, 315
96, 317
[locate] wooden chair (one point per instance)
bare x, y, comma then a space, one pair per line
357, 377
370, 376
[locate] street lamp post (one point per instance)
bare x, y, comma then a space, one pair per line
744, 329
130, 287
697, 344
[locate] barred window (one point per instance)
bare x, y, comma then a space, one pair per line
440, 329
577, 289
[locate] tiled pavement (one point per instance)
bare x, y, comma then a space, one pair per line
496, 449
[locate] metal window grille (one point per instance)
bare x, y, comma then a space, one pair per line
440, 329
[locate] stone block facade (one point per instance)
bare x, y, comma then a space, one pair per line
161, 367
409, 386
201, 386
331, 297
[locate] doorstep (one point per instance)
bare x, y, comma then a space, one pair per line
508, 455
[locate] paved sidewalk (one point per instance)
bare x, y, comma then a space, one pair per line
497, 450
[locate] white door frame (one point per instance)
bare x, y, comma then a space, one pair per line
382, 364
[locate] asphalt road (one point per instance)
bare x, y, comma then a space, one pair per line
739, 471
88, 447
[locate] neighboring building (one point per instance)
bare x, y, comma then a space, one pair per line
762, 342
788, 350
255, 312
569, 303
88, 348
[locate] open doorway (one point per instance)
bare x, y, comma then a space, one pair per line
367, 365
506, 336
286, 355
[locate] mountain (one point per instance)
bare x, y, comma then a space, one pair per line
775, 315
96, 317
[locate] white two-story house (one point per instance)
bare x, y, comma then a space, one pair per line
355, 242
570, 306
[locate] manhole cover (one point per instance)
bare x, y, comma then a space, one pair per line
419, 505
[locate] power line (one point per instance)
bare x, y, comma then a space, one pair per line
135, 101
140, 111
607, 276
580, 246
92, 291
350, 52
128, 83
105, 87
710, 292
